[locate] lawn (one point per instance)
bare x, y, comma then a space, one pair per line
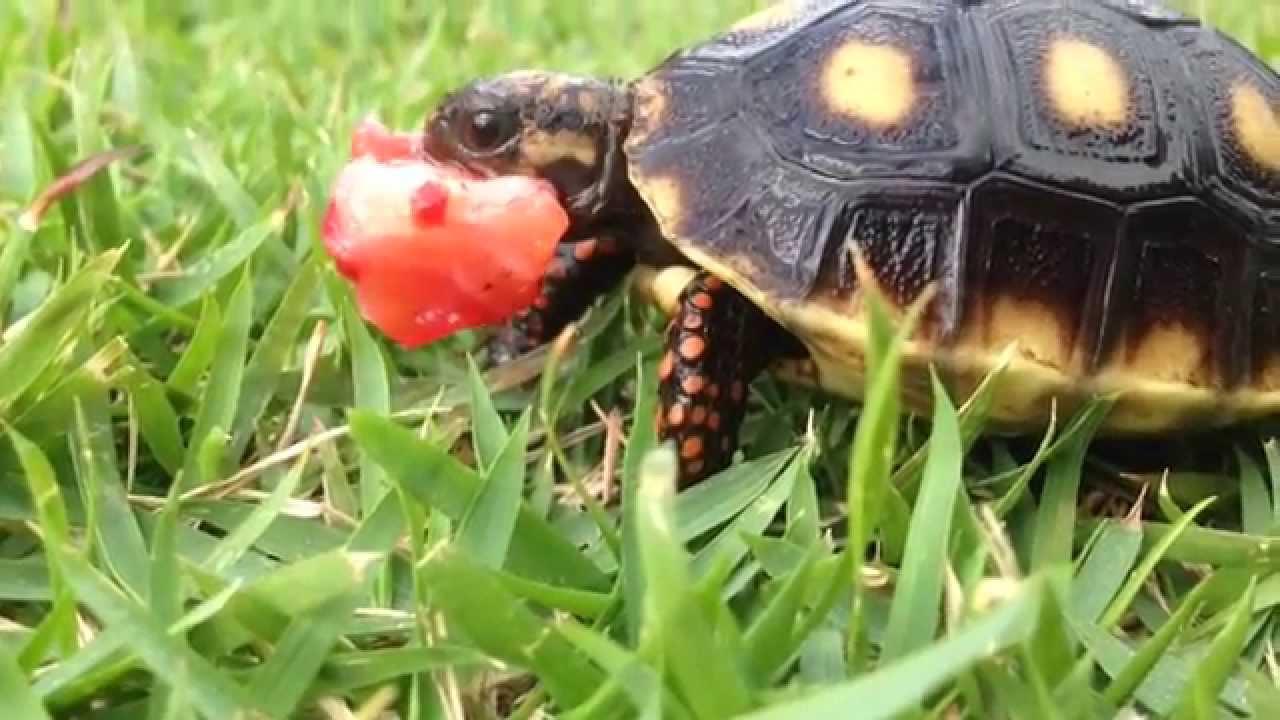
223, 495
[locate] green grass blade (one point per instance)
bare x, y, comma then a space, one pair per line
29, 353
185, 377
705, 674
771, 641
222, 392
158, 422
903, 684
437, 480
20, 702
1199, 701
916, 611
1133, 583
1255, 498
372, 389
264, 372
474, 598
486, 528
240, 540
1131, 676
641, 683
1105, 568
488, 432
349, 671
642, 439
212, 692
1055, 523
118, 538
284, 679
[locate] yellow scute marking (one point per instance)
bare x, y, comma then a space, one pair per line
775, 15
1036, 329
1169, 353
1087, 86
649, 110
870, 82
1257, 125
665, 198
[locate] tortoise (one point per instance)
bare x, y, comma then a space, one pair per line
1092, 183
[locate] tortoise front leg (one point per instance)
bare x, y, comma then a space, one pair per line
581, 271
717, 343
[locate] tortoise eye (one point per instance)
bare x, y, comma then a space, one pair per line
488, 130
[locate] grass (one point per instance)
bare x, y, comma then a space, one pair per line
221, 495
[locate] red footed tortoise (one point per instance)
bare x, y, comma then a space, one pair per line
1097, 181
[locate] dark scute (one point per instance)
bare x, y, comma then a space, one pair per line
1220, 62
1034, 244
695, 96
714, 169
1028, 37
1266, 316
1192, 269
748, 42
1150, 12
908, 240
779, 233
787, 92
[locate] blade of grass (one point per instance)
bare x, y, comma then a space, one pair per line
284, 679
240, 540
1055, 522
1255, 500
1133, 582
29, 353
1199, 699
437, 480
486, 528
642, 440
903, 684
212, 692
1126, 682
1105, 568
20, 702
474, 598
676, 623
222, 392
915, 614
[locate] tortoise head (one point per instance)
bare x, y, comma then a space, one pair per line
565, 129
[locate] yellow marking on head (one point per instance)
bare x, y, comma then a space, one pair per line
1257, 125
1087, 86
1037, 330
869, 82
775, 15
1170, 353
541, 149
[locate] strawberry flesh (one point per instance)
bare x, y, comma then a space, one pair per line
431, 249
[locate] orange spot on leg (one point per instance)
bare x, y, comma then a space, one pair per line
675, 415
713, 421
691, 448
699, 415
692, 347
713, 283
693, 384
702, 301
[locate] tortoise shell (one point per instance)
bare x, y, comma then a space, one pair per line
1096, 182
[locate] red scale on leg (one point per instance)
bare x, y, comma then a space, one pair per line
716, 344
